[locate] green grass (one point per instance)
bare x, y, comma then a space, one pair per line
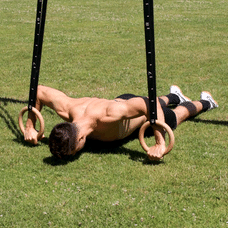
97, 48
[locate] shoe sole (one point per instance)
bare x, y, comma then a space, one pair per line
210, 96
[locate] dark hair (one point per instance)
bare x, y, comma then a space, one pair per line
62, 139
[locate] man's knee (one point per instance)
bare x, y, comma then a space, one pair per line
162, 103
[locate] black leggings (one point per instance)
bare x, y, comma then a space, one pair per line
170, 116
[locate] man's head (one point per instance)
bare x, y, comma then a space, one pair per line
63, 140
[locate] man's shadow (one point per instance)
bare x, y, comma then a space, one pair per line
214, 122
116, 147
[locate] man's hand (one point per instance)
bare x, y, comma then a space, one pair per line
31, 136
156, 152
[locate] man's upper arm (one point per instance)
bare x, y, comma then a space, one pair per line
116, 111
131, 108
52, 98
136, 107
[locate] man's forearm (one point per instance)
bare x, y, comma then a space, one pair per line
31, 121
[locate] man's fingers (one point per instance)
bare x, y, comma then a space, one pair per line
153, 158
31, 140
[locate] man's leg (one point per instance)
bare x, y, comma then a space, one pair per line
181, 113
193, 108
187, 110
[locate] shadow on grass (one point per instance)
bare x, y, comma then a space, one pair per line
5, 100
214, 122
4, 114
98, 147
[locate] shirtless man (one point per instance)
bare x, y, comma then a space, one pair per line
110, 120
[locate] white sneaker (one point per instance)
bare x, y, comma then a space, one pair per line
207, 97
176, 90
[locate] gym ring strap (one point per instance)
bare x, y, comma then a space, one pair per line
40, 117
166, 128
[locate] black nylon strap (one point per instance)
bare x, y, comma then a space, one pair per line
37, 51
150, 57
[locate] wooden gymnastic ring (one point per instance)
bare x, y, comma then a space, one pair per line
166, 128
40, 117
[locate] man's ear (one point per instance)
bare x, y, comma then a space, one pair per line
81, 141
81, 138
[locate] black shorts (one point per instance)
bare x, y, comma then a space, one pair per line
127, 96
170, 116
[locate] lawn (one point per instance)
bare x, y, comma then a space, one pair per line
97, 48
